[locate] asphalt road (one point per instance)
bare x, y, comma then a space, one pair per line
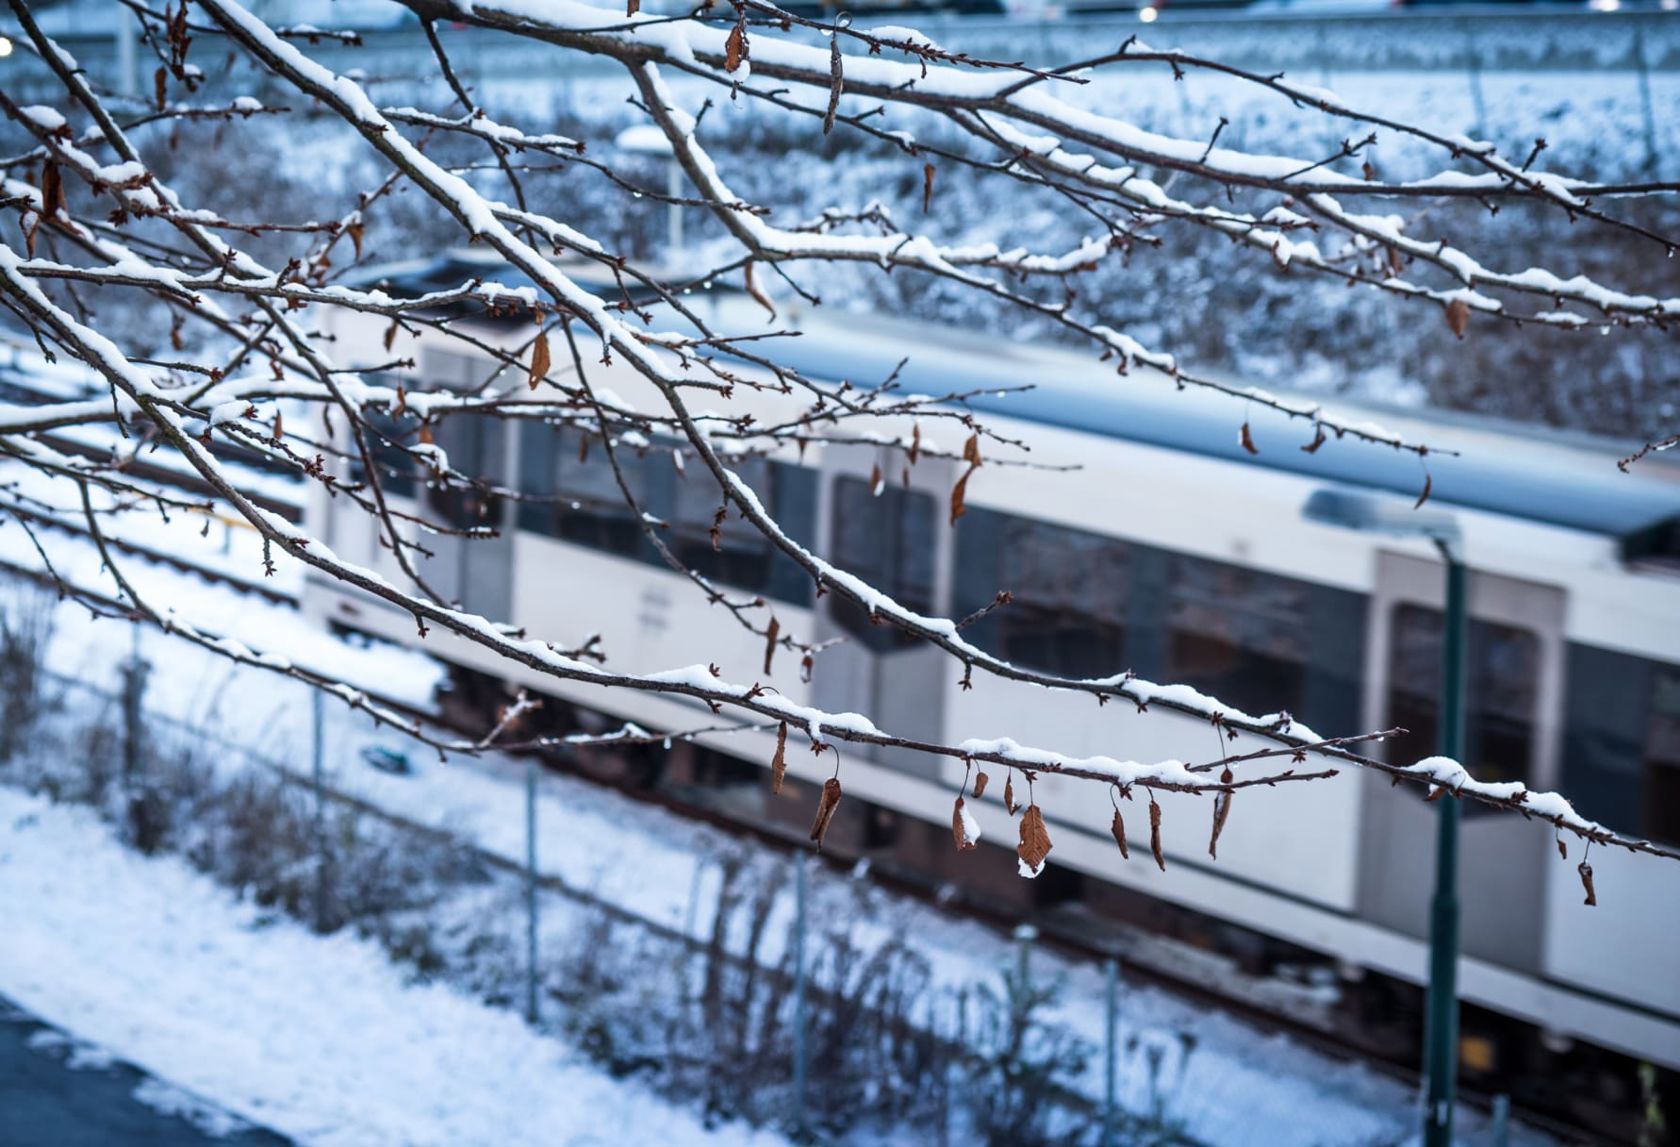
47, 1102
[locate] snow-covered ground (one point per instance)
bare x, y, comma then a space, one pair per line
321, 1039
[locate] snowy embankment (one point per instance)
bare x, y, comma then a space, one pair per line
321, 1039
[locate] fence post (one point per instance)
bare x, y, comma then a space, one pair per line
317, 768
1025, 934
134, 673
1501, 1120
531, 889
1111, 1046
801, 862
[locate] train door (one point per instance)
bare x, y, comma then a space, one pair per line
1513, 700
891, 536
476, 571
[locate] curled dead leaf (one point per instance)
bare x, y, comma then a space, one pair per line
735, 47
1458, 316
1585, 870
778, 763
1428, 485
52, 190
1221, 810
1035, 840
771, 632
825, 810
539, 359
1247, 440
960, 822
1118, 828
979, 785
958, 493
836, 83
756, 291
1009, 804
1155, 835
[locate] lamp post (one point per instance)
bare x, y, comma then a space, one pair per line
1370, 514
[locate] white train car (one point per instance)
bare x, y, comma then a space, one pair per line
1176, 552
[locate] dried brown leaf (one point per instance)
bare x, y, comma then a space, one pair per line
1118, 828
52, 190
1221, 810
825, 810
771, 632
735, 47
927, 187
979, 785
1035, 840
539, 359
1247, 440
632, 7
1009, 804
958, 493
1458, 316
1585, 870
1563, 849
836, 83
1318, 440
756, 291
1155, 835
959, 830
1428, 485
915, 443
355, 231
778, 763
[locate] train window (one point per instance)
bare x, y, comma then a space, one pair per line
1071, 592
574, 493
387, 435
742, 555
888, 542
1661, 806
1501, 688
1621, 749
1238, 634
472, 443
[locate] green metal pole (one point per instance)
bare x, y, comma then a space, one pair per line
1111, 1045
1440, 1067
800, 864
531, 973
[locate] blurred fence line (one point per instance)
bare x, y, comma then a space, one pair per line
735, 985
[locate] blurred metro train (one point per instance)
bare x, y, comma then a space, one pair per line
1175, 552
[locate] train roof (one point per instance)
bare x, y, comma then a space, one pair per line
1552, 477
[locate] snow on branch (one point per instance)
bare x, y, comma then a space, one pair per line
201, 336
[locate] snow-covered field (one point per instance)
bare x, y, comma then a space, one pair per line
321, 1039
